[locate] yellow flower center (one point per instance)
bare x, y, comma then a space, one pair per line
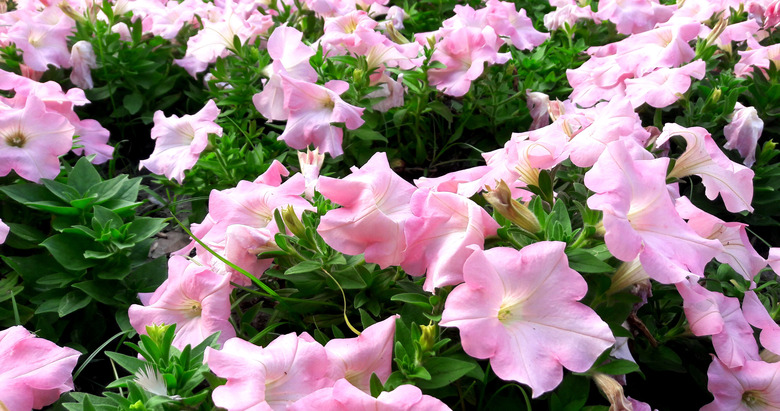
16, 139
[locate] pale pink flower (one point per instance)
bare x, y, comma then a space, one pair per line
639, 216
439, 236
568, 14
43, 37
32, 139
772, 14
91, 138
4, 230
538, 106
374, 207
774, 259
312, 108
603, 124
503, 314
753, 386
634, 16
600, 78
355, 359
268, 378
663, 87
464, 51
179, 141
712, 313
194, 298
702, 157
344, 396
34, 371
756, 56
310, 163
507, 21
392, 91
737, 251
663, 47
341, 31
756, 314
743, 131
82, 59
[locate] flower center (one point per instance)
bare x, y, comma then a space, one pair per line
16, 139
753, 400
193, 308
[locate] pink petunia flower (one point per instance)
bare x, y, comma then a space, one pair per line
344, 396
32, 139
634, 16
268, 378
743, 131
312, 108
194, 298
663, 87
756, 314
83, 60
702, 157
375, 206
369, 353
4, 230
503, 314
179, 141
34, 371
639, 216
440, 234
737, 250
712, 313
754, 386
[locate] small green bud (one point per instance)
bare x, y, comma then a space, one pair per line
292, 222
427, 337
157, 332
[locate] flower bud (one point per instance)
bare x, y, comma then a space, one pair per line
613, 391
427, 337
310, 163
501, 200
395, 35
70, 11
292, 222
157, 332
628, 274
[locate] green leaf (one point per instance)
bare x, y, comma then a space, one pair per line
28, 193
442, 110
582, 261
303, 267
101, 291
68, 250
419, 300
444, 371
617, 367
63, 191
74, 300
133, 102
369, 135
145, 227
54, 207
83, 176
131, 364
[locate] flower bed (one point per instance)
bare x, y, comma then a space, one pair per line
381, 204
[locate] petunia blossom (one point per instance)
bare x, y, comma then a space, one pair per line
503, 314
702, 157
663, 87
179, 141
756, 314
754, 386
32, 139
639, 216
271, 377
743, 131
344, 396
712, 313
194, 298
34, 371
4, 230
440, 234
312, 108
369, 353
737, 250
374, 207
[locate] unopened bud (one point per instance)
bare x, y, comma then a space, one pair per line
501, 200
613, 391
395, 35
432, 41
627, 274
157, 332
70, 11
292, 222
427, 337
720, 26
